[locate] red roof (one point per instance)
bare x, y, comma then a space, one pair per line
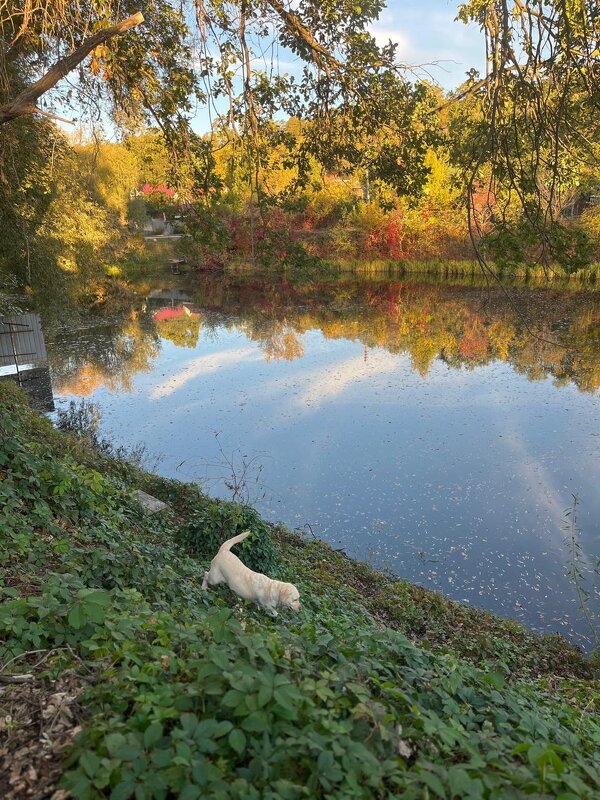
147, 188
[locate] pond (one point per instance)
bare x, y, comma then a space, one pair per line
435, 431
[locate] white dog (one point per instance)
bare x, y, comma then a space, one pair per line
227, 568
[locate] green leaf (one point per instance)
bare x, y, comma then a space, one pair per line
94, 613
287, 697
90, 763
264, 695
161, 758
96, 597
222, 728
189, 723
152, 734
328, 767
551, 759
233, 698
77, 617
433, 782
460, 782
189, 792
115, 742
257, 722
237, 741
496, 679
205, 729
123, 790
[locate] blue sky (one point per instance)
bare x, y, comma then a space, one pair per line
427, 35
426, 32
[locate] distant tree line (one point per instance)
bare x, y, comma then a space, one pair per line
497, 162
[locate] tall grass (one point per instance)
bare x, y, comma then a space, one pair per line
453, 268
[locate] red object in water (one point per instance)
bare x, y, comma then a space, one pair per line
172, 312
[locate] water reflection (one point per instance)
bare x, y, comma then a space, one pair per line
96, 352
541, 332
420, 426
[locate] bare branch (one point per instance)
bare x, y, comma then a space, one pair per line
48, 114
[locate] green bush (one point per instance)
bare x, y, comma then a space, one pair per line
213, 524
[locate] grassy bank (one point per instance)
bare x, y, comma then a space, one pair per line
450, 269
138, 684
148, 256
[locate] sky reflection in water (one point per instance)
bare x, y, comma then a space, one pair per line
400, 423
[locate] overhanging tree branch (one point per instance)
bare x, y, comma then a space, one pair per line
296, 28
523, 69
25, 102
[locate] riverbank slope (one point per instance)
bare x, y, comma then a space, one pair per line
114, 659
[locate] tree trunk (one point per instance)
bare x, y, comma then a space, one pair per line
25, 102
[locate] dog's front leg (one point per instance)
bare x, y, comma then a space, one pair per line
205, 582
265, 607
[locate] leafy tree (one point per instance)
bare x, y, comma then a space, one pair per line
144, 68
49, 215
29, 152
112, 173
182, 330
533, 124
151, 155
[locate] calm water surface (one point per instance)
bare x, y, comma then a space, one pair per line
422, 428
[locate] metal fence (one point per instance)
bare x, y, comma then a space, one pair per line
22, 343
23, 358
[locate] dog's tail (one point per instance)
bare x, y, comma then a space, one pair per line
236, 539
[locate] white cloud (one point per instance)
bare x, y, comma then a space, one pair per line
312, 388
329, 383
429, 35
203, 366
383, 35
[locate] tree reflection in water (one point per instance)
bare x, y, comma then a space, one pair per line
541, 332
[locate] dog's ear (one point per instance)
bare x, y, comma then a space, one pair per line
284, 592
